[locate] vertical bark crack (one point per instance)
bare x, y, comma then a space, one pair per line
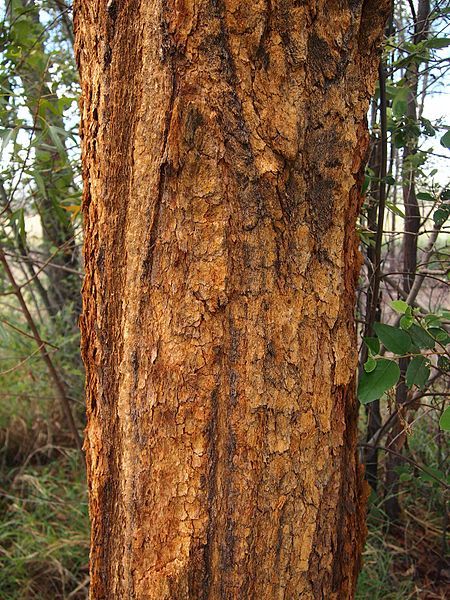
147, 265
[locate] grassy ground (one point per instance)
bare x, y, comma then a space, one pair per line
411, 560
44, 536
44, 518
44, 530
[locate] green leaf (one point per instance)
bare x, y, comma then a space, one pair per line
432, 320
39, 181
400, 306
400, 102
432, 475
416, 160
406, 321
444, 364
425, 196
393, 339
54, 134
438, 43
373, 385
366, 184
373, 344
391, 90
445, 139
6, 135
441, 215
418, 372
399, 139
21, 30
440, 335
427, 126
444, 421
370, 365
420, 337
395, 209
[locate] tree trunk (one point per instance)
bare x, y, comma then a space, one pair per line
412, 210
372, 312
397, 437
223, 150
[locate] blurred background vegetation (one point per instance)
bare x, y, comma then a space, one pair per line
402, 309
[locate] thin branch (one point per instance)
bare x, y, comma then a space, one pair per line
411, 462
54, 375
418, 281
22, 332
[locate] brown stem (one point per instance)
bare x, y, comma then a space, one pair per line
373, 410
54, 375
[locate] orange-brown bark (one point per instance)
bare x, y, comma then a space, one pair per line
223, 144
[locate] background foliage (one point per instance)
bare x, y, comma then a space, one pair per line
402, 309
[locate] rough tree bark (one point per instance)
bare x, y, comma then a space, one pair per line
223, 150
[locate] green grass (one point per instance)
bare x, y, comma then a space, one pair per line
26, 389
406, 564
44, 531
44, 526
379, 579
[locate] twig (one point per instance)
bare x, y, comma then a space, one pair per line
54, 376
411, 462
22, 332
415, 288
